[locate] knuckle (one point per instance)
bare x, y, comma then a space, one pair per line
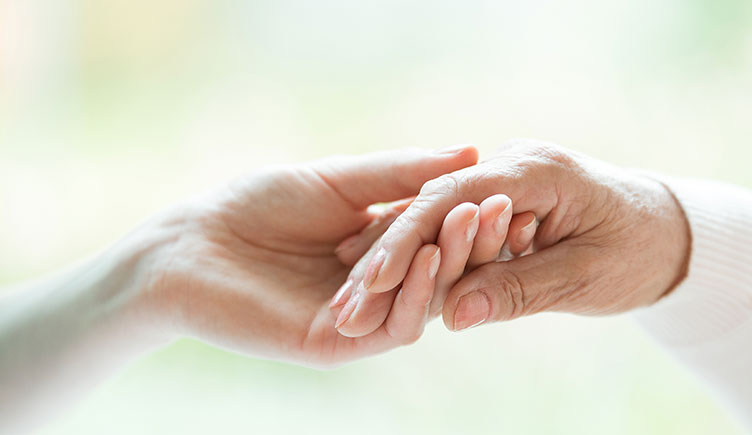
413, 299
536, 153
545, 162
402, 225
553, 156
419, 300
413, 219
517, 144
511, 291
446, 184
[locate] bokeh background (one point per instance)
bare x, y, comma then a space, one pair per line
111, 110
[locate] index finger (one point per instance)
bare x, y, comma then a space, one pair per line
417, 226
523, 177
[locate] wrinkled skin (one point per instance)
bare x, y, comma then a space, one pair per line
609, 240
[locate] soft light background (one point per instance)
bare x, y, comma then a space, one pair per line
111, 110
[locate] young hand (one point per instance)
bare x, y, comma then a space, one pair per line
252, 267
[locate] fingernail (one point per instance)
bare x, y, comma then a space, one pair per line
342, 294
472, 227
454, 149
347, 310
501, 224
527, 233
472, 310
374, 268
433, 265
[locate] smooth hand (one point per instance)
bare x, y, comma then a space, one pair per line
250, 267
253, 267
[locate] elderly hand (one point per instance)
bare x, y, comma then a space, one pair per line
471, 235
609, 239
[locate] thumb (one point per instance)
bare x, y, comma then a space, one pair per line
390, 175
510, 289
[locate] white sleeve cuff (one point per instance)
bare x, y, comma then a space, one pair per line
707, 320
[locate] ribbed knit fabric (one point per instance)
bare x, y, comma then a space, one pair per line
707, 321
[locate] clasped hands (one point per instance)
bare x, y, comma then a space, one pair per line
294, 263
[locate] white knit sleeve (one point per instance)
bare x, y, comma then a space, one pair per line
707, 321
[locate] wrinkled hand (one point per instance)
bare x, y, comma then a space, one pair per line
609, 240
471, 235
253, 268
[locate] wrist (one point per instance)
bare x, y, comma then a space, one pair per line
672, 238
709, 303
63, 334
136, 278
681, 238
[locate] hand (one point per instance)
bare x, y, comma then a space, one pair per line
609, 240
253, 266
471, 235
250, 267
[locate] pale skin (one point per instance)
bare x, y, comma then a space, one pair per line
610, 240
475, 236
237, 269
251, 267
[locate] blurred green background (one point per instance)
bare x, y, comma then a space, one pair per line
111, 110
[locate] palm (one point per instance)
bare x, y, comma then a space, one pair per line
254, 271
268, 247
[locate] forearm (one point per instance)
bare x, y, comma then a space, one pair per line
62, 335
707, 321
